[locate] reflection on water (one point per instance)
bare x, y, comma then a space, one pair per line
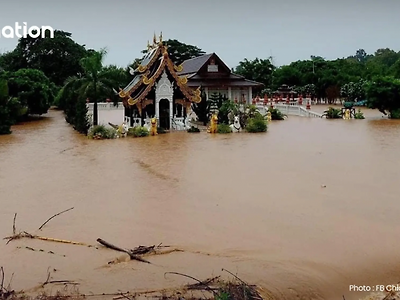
252, 203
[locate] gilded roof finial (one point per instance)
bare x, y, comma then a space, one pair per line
154, 39
161, 37
148, 45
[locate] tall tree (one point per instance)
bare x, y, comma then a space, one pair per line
259, 70
92, 66
58, 58
179, 52
383, 93
5, 115
32, 88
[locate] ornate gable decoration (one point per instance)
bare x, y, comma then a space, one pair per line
164, 88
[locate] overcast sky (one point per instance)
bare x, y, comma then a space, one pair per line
287, 30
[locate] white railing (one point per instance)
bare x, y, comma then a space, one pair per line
106, 106
291, 109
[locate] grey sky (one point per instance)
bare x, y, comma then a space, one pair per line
288, 30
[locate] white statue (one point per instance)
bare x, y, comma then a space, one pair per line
235, 127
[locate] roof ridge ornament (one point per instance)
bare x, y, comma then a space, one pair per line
154, 39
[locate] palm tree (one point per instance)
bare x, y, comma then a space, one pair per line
96, 82
92, 66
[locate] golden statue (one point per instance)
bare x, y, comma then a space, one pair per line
269, 117
214, 124
153, 128
347, 114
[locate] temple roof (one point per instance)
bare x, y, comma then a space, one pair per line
154, 63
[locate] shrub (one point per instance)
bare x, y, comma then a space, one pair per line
394, 114
256, 124
359, 115
224, 128
333, 113
101, 132
138, 131
276, 114
161, 130
193, 129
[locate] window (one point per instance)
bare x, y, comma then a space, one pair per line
212, 68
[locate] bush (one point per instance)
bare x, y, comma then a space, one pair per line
161, 130
359, 115
276, 114
193, 129
257, 124
101, 132
224, 128
138, 131
394, 114
333, 113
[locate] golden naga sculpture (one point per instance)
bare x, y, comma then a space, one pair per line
141, 68
122, 93
153, 127
132, 101
183, 80
178, 68
269, 117
146, 80
214, 124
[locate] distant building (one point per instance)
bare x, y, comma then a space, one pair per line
214, 76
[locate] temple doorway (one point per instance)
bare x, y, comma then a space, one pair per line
164, 108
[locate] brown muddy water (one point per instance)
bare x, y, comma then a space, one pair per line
255, 204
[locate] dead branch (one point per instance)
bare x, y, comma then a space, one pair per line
5, 293
245, 283
25, 234
202, 284
48, 220
14, 228
2, 280
131, 253
48, 281
191, 277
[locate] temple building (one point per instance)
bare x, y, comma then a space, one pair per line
156, 89
166, 91
214, 76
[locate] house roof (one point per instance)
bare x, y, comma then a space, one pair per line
191, 68
193, 65
232, 83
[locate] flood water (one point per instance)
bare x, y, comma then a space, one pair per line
304, 210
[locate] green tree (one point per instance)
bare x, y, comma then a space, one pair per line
92, 66
32, 88
202, 109
177, 51
259, 70
5, 114
383, 93
58, 58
